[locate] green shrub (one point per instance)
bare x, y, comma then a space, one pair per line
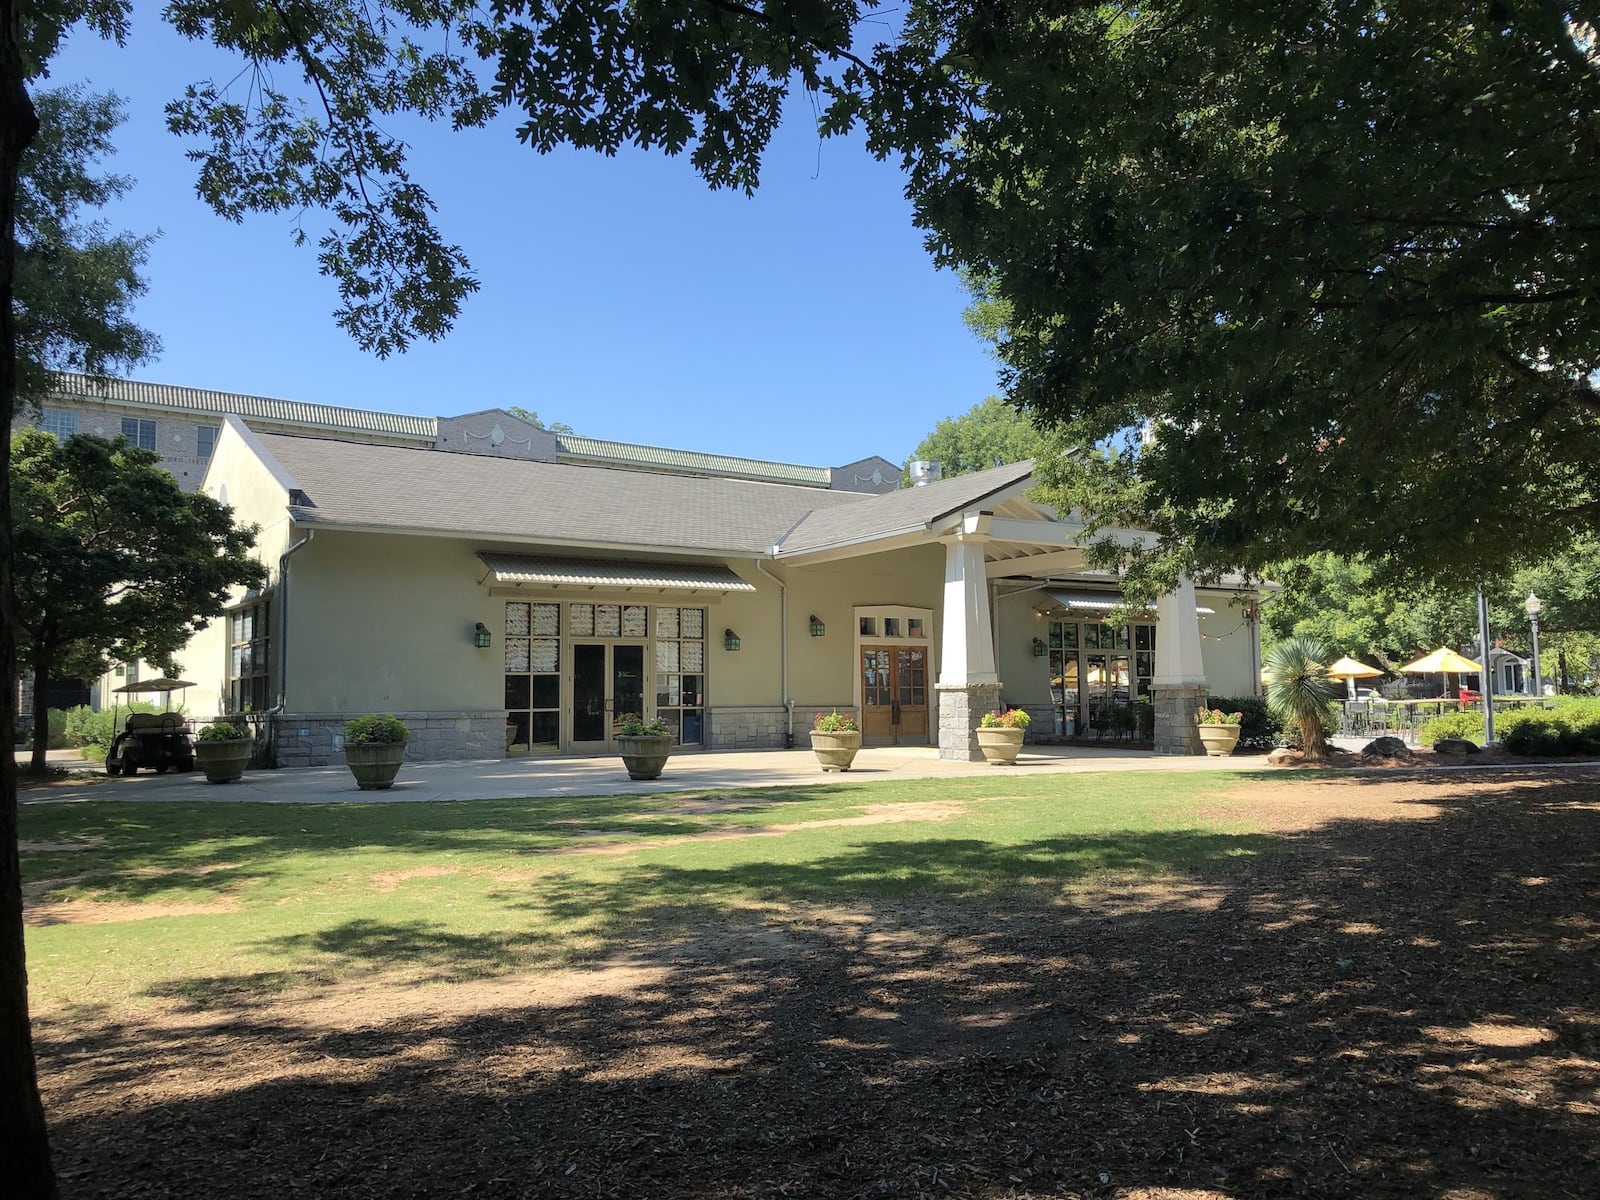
1467, 724
376, 730
1259, 727
84, 727
222, 731
1571, 727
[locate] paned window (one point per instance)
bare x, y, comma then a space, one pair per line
205, 441
250, 658
680, 672
140, 432
60, 422
1099, 670
533, 677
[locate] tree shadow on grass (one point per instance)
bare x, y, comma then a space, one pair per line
1377, 1008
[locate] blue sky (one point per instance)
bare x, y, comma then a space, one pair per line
619, 295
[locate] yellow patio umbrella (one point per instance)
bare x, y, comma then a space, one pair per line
1443, 661
1350, 670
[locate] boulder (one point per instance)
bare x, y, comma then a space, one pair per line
1456, 747
1387, 747
1283, 757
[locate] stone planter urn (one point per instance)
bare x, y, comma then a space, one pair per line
222, 759
644, 754
374, 764
1000, 746
1219, 740
835, 751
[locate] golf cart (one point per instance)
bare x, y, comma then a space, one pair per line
159, 741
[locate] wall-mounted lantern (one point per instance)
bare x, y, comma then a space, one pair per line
818, 629
730, 640
481, 637
1038, 647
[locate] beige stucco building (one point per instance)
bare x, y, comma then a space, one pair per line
509, 591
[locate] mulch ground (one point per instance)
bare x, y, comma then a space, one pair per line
1396, 998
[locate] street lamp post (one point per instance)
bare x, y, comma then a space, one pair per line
1531, 606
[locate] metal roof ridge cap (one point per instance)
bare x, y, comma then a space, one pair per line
773, 462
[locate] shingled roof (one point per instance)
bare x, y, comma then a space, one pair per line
355, 485
903, 511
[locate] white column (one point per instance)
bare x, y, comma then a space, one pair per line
967, 648
1178, 659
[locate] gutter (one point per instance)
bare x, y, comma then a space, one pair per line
783, 649
283, 612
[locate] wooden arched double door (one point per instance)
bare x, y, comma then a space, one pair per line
894, 695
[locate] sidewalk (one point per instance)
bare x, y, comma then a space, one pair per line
604, 776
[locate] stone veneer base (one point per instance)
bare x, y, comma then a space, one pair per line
961, 707
1175, 705
307, 739
753, 727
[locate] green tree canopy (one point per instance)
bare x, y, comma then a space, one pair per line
1345, 605
113, 561
987, 435
76, 281
1332, 261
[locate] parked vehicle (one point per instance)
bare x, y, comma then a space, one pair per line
158, 741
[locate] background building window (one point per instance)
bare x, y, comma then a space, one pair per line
141, 433
59, 422
205, 441
250, 658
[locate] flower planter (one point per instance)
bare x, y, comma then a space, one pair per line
1219, 740
222, 759
835, 751
644, 754
1000, 745
374, 764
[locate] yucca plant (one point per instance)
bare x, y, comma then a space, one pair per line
1299, 690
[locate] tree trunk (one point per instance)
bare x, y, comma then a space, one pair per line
24, 1141
40, 764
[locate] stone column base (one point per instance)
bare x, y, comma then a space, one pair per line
1175, 705
961, 707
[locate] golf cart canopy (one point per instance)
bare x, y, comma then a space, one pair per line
161, 686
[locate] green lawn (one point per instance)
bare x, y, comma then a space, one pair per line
217, 901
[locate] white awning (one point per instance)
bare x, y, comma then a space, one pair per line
1100, 602
613, 573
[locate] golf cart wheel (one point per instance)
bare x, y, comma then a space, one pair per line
185, 764
113, 766
129, 767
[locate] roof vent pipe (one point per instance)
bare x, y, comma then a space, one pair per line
924, 472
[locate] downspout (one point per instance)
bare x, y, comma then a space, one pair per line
783, 650
283, 612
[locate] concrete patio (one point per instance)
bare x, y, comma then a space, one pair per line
488, 780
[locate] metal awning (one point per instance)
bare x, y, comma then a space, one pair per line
613, 573
1099, 602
